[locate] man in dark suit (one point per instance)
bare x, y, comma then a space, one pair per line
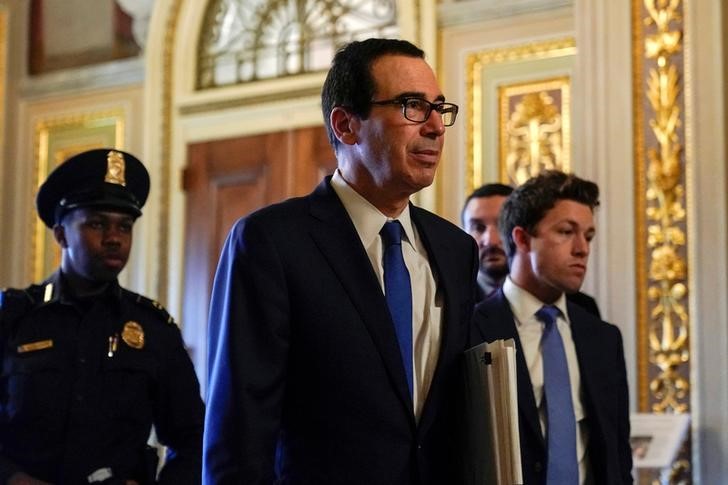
582, 395
316, 376
479, 218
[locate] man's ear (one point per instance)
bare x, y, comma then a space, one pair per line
344, 125
59, 233
522, 239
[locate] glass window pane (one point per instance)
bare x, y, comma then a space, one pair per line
249, 40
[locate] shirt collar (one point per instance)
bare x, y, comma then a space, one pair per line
525, 305
367, 219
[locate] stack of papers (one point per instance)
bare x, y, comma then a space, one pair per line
492, 444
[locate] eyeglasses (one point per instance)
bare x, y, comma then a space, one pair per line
418, 110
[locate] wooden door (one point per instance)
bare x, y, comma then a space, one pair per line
228, 179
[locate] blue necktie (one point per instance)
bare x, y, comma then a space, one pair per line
562, 467
398, 291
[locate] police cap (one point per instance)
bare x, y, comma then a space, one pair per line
104, 178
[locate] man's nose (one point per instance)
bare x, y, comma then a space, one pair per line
112, 234
491, 236
581, 245
433, 125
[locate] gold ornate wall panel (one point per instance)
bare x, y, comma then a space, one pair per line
663, 313
534, 127
518, 111
55, 140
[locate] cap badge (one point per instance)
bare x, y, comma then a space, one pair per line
133, 335
115, 168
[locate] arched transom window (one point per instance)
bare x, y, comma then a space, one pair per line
249, 40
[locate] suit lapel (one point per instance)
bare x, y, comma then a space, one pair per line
438, 253
585, 333
335, 235
500, 324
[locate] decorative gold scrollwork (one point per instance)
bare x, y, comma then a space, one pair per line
667, 288
663, 273
533, 137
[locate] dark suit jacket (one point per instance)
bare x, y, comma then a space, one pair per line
604, 385
305, 369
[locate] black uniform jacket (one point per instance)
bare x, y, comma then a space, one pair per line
604, 391
304, 359
83, 381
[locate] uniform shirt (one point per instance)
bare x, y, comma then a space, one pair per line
426, 303
530, 329
82, 382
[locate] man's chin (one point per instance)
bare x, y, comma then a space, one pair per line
107, 275
496, 273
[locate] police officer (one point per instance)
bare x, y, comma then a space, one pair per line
87, 366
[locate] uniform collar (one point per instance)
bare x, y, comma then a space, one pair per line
55, 290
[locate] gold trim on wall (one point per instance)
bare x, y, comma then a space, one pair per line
55, 140
165, 186
3, 77
475, 64
661, 215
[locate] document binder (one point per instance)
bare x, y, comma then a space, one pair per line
491, 441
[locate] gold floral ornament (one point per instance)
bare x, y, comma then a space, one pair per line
115, 168
534, 137
666, 240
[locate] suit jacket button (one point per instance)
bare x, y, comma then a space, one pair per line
538, 467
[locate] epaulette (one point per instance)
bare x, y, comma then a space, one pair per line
14, 302
156, 306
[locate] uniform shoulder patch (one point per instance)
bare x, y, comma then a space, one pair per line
156, 307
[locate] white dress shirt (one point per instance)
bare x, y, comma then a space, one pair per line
530, 329
426, 302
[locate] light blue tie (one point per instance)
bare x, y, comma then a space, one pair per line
562, 467
398, 291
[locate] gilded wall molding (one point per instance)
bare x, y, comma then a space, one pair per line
475, 65
168, 59
663, 313
3, 77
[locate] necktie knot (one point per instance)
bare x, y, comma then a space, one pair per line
391, 233
548, 314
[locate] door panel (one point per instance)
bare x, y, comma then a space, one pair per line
228, 179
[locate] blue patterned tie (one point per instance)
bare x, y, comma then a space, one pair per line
562, 468
398, 291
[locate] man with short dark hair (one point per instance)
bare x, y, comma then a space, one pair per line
89, 367
480, 219
572, 382
337, 319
